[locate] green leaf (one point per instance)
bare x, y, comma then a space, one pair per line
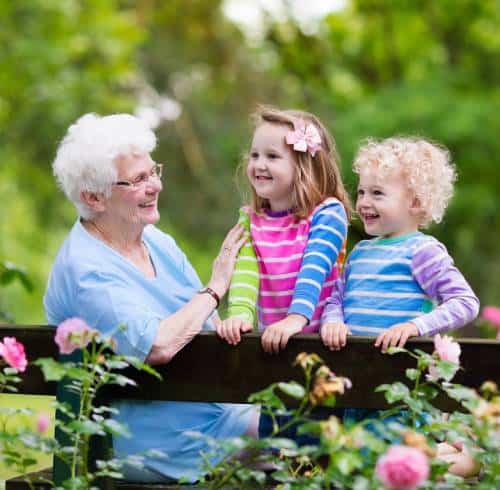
141, 366
412, 374
10, 272
119, 379
447, 369
395, 350
79, 374
51, 369
394, 392
293, 389
467, 396
86, 427
347, 462
115, 428
115, 364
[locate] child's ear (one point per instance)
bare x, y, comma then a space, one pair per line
94, 200
416, 206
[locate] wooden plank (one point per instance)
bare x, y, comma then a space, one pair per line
209, 369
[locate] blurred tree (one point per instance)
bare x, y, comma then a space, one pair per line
372, 68
58, 60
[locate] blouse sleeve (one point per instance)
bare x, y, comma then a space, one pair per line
107, 303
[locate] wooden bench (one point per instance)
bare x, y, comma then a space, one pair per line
209, 369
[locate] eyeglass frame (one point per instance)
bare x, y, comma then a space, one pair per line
156, 172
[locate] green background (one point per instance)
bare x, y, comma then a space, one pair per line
370, 68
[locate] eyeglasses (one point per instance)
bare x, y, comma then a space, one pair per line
143, 179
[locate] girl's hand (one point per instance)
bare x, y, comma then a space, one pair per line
230, 329
334, 335
275, 336
396, 336
223, 265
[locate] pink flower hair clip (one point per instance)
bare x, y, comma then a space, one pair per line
304, 138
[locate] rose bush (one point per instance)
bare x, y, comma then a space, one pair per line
411, 445
98, 367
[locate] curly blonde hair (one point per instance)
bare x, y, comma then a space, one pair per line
426, 166
317, 177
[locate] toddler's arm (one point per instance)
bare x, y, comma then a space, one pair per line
434, 270
333, 330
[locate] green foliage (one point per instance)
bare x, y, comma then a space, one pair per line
10, 273
373, 68
98, 367
345, 455
58, 60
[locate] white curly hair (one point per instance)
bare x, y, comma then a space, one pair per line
85, 159
427, 167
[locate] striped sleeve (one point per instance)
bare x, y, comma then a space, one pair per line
326, 237
244, 287
436, 274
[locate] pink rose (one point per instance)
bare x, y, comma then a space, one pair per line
73, 334
446, 349
42, 423
13, 353
402, 468
492, 314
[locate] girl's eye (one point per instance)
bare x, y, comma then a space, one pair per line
361, 192
272, 156
254, 155
378, 193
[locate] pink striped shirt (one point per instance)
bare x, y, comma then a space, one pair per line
298, 261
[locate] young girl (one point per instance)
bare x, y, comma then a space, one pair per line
402, 283
297, 223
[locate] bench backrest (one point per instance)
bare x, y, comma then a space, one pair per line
209, 369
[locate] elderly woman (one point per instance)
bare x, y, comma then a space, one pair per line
115, 267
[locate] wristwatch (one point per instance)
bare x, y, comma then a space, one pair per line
212, 293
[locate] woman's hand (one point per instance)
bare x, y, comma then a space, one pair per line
223, 266
232, 328
396, 336
334, 335
275, 336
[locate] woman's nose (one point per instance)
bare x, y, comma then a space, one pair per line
153, 186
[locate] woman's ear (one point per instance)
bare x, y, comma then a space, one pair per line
94, 200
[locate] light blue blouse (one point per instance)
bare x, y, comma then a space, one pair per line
92, 281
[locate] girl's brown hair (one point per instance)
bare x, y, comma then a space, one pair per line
317, 177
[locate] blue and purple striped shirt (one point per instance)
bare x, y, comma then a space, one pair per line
410, 278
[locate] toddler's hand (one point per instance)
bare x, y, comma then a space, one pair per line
275, 336
231, 328
334, 335
396, 336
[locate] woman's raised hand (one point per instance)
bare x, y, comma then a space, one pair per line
223, 266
